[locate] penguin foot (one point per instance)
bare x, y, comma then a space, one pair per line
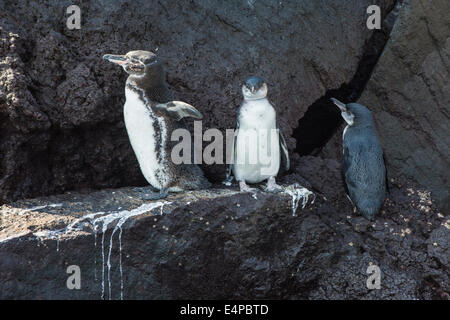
245, 188
155, 195
272, 186
228, 181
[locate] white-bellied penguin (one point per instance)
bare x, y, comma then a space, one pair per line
150, 116
259, 146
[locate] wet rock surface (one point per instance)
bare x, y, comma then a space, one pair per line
225, 244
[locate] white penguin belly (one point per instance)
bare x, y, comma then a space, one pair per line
139, 121
257, 160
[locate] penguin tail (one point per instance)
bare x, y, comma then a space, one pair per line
369, 212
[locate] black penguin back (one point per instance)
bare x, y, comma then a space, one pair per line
363, 164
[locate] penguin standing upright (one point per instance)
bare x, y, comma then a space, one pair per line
363, 166
257, 134
150, 117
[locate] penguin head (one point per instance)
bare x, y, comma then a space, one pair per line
354, 114
254, 88
346, 113
137, 64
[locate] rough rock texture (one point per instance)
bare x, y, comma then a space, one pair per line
61, 122
409, 94
225, 244
61, 129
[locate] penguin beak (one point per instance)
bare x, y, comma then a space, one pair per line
255, 89
340, 104
117, 59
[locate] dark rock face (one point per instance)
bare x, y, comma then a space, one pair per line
225, 244
410, 94
61, 104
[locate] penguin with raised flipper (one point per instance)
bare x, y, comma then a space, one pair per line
363, 166
257, 115
150, 117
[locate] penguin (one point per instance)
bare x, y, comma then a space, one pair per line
256, 114
150, 115
363, 165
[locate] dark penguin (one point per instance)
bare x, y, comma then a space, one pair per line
150, 117
363, 165
257, 116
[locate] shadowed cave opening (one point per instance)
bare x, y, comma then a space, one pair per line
322, 119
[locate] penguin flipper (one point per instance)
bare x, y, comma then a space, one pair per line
284, 151
345, 166
179, 110
228, 178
